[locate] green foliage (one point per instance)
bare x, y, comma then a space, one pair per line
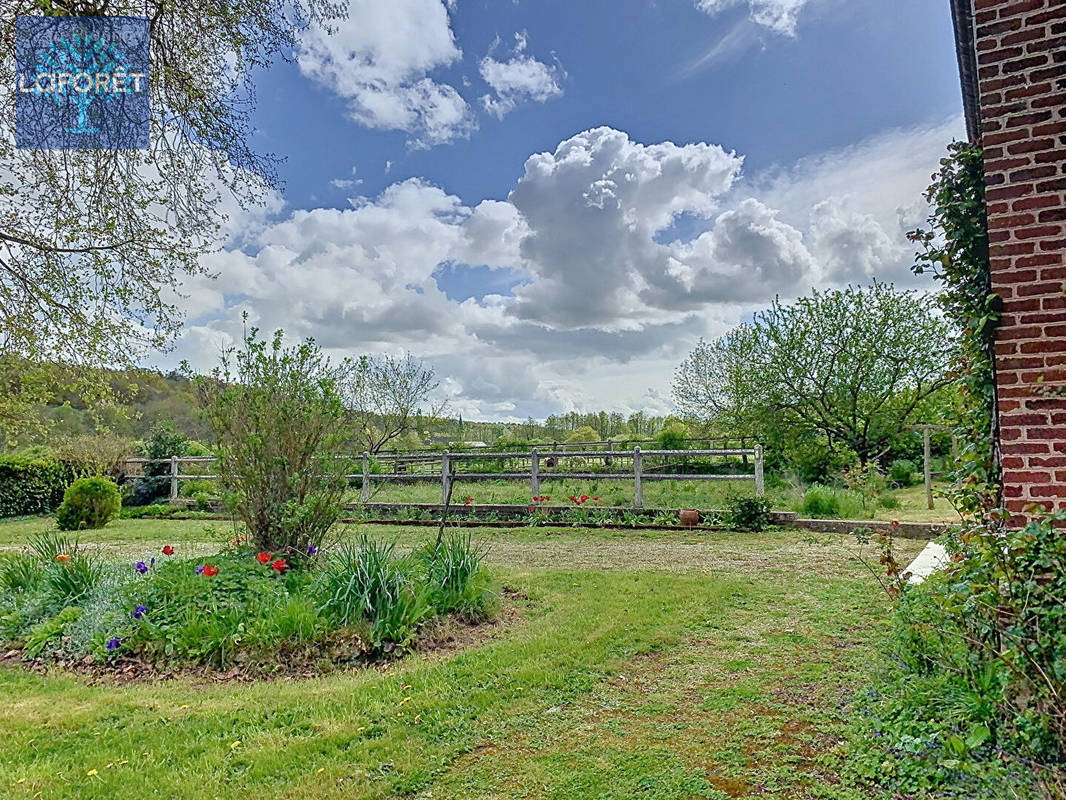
32, 484
955, 251
978, 675
821, 502
20, 573
747, 512
586, 433
278, 421
48, 632
210, 619
156, 511
456, 581
673, 437
829, 502
363, 582
88, 503
901, 472
70, 582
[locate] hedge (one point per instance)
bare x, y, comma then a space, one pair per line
33, 485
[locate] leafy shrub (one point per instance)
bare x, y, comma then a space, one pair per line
155, 511
279, 422
829, 502
363, 582
33, 484
88, 503
976, 690
672, 437
96, 454
456, 581
817, 462
162, 444
821, 502
747, 512
48, 632
901, 472
888, 501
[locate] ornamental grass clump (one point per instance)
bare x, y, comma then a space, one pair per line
455, 578
364, 584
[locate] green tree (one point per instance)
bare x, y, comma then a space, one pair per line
94, 244
715, 384
855, 364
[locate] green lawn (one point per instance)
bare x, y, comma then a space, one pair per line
652, 664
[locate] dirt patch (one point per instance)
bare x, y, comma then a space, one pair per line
339, 653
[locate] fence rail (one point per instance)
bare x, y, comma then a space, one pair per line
543, 465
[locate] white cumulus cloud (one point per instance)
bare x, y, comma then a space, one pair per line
622, 255
380, 58
517, 79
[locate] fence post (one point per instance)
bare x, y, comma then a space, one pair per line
638, 471
760, 485
928, 469
365, 486
173, 477
445, 476
535, 472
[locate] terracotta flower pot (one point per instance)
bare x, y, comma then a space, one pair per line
689, 517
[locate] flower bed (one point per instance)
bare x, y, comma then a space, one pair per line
60, 603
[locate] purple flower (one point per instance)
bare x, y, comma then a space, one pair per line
311, 550
114, 643
152, 562
200, 570
139, 612
141, 567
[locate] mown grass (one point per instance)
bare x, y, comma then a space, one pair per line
642, 664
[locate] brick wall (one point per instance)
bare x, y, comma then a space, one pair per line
1021, 60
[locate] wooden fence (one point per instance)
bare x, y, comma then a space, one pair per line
552, 464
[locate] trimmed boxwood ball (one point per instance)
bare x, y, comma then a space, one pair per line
88, 503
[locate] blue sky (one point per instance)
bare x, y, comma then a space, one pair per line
698, 157
853, 69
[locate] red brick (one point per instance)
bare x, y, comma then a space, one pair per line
1044, 201
1038, 232
1026, 448
1038, 260
994, 56
1029, 146
1049, 490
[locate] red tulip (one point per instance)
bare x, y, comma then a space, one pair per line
168, 550
263, 557
279, 565
210, 570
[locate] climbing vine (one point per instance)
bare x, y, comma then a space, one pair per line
954, 249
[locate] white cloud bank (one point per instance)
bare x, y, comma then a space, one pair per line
609, 295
